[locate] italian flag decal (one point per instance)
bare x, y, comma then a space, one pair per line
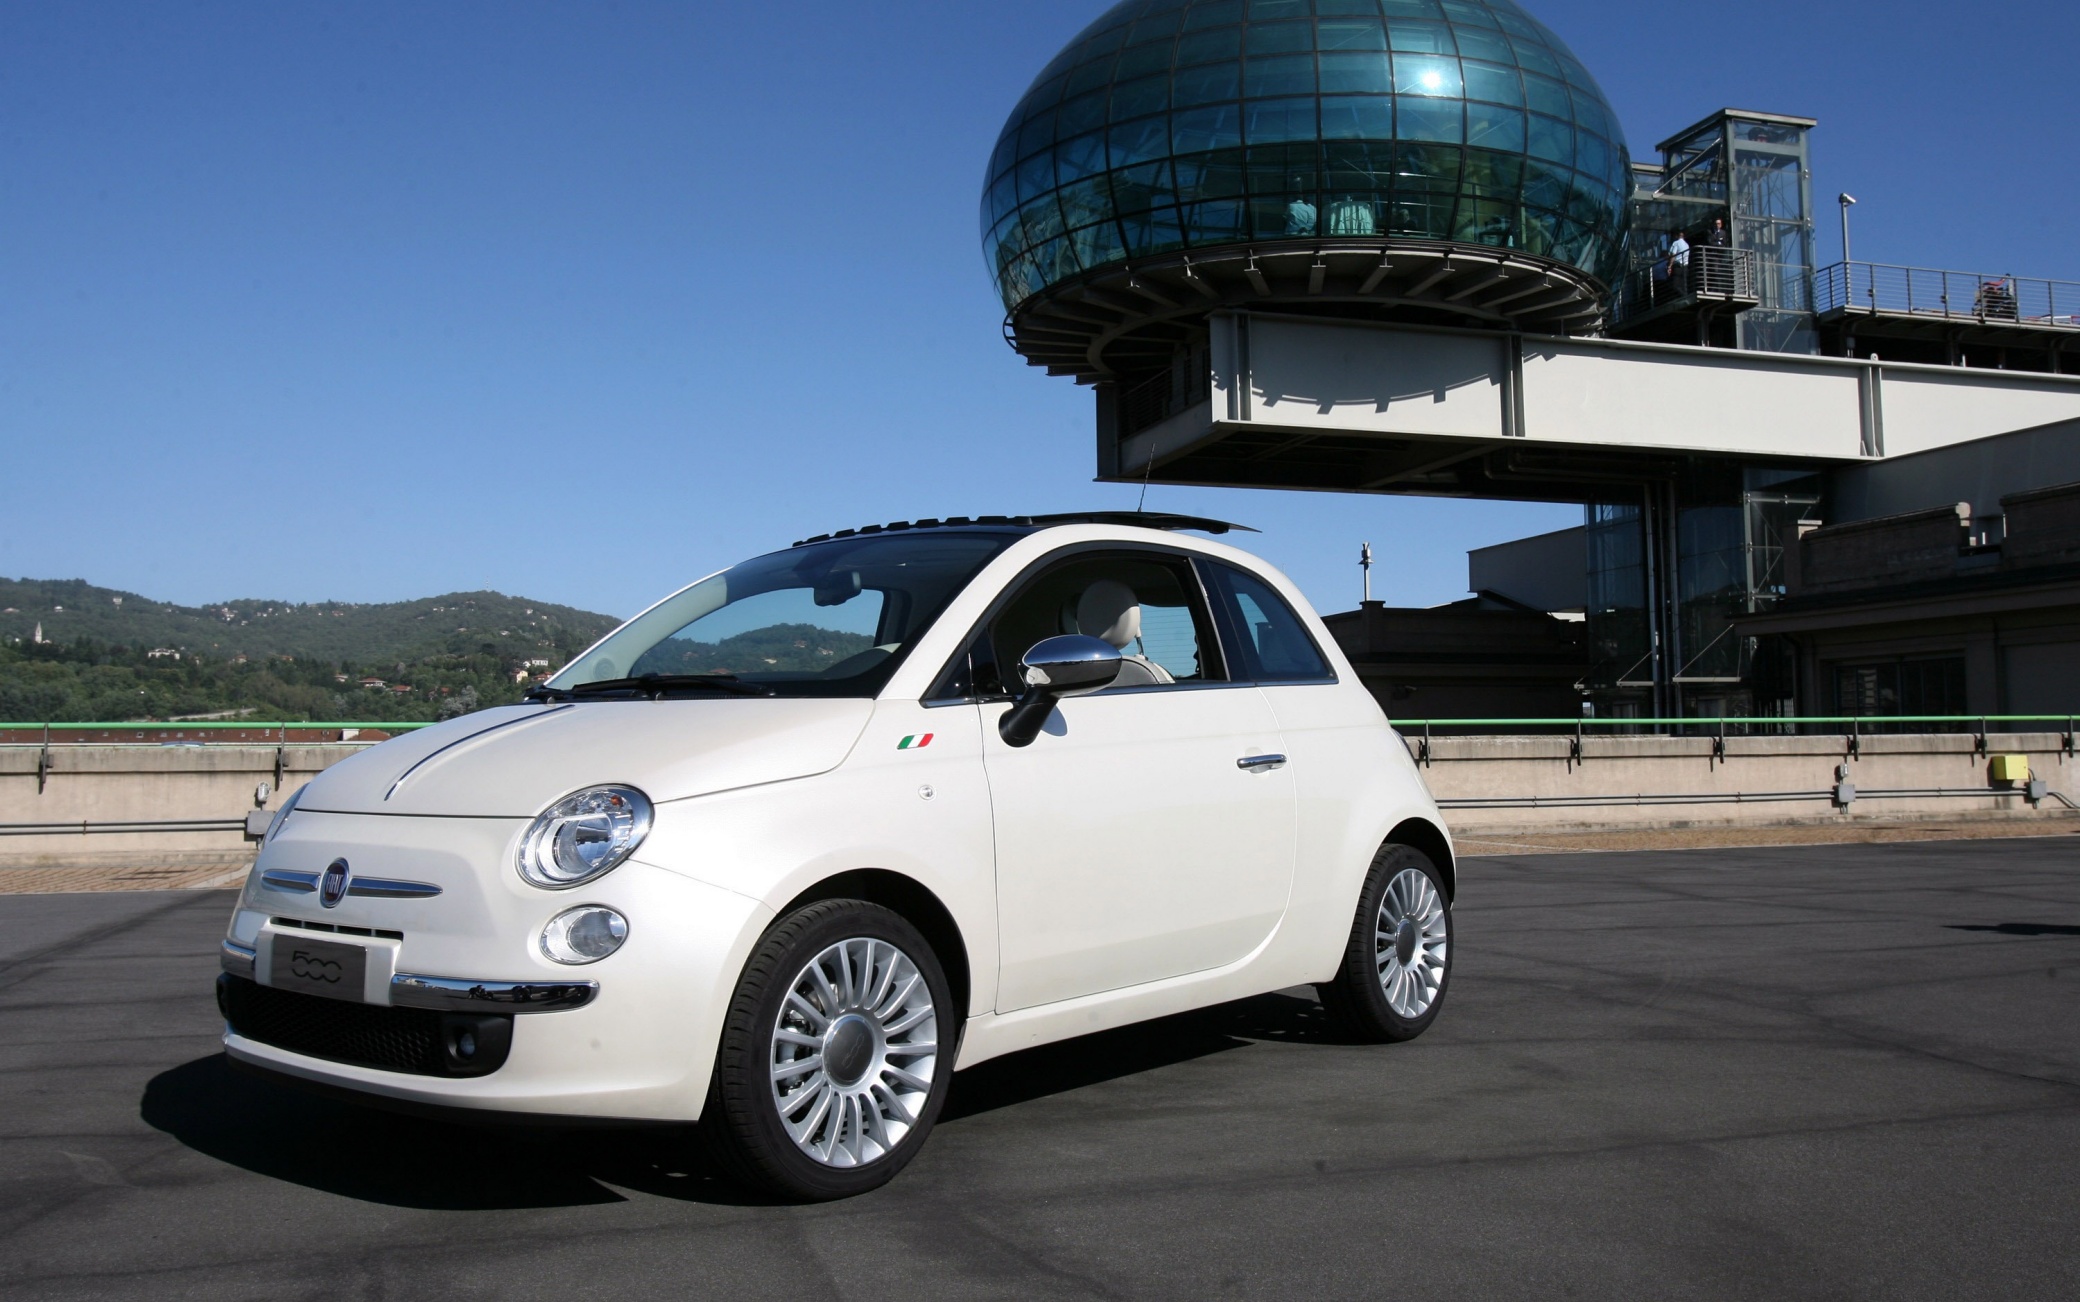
915, 742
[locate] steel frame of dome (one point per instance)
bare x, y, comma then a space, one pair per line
1555, 225
1133, 317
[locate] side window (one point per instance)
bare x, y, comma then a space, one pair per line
1272, 643
1146, 605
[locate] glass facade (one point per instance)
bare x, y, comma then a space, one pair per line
1176, 124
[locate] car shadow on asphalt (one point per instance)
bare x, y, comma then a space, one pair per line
403, 1160
322, 1142
1131, 1050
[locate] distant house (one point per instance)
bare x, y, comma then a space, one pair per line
374, 684
537, 664
162, 653
401, 690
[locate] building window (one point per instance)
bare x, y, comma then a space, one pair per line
1896, 687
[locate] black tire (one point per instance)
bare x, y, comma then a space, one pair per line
1357, 1000
742, 1122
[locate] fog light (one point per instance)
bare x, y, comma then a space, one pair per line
585, 934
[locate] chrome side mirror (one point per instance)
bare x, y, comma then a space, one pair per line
1052, 669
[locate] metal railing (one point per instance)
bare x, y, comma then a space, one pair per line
224, 732
1965, 295
1712, 274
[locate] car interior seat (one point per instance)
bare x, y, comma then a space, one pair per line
1108, 609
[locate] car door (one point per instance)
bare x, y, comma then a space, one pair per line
1133, 843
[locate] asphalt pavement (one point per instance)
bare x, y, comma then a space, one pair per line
1838, 1071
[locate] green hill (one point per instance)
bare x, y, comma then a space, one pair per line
71, 609
111, 655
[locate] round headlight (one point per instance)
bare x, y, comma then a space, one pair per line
583, 835
585, 934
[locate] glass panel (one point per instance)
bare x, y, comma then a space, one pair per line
1036, 177
1220, 222
1091, 76
1036, 135
1153, 232
1208, 128
1210, 176
1358, 118
1272, 120
1353, 36
1368, 73
1212, 13
1207, 85
1097, 245
1084, 113
1619, 647
1422, 38
1143, 60
1081, 157
1138, 98
1485, 45
1441, 120
1493, 127
1272, 643
1159, 21
1351, 215
1551, 140
831, 619
1277, 9
1536, 58
1337, 8
1416, 74
1140, 142
1289, 74
1548, 97
1461, 12
1207, 47
1143, 606
1498, 85
1137, 189
1280, 38
1086, 201
1412, 9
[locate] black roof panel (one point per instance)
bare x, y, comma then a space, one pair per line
1138, 519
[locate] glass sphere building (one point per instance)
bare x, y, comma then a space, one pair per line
1337, 128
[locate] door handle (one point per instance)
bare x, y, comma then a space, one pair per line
1253, 762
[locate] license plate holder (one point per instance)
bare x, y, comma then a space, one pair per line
325, 968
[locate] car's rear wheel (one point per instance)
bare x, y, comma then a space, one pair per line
1399, 958
830, 1073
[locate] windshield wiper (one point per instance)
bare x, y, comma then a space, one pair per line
656, 686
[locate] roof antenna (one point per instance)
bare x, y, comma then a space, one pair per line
1148, 468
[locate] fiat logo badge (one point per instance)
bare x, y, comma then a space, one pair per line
332, 887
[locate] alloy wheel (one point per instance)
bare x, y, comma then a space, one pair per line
1410, 940
854, 1052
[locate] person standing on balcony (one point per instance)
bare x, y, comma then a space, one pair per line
1718, 265
1678, 266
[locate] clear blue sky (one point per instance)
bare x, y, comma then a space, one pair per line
368, 301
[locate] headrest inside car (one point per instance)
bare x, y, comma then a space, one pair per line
1109, 609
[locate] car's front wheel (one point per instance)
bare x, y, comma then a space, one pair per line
1399, 957
830, 1073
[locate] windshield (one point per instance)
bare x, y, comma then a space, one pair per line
830, 619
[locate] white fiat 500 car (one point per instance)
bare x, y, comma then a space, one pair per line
783, 851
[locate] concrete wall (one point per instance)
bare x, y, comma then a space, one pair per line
1501, 784
133, 784
1315, 376
1489, 784
1981, 473
1548, 572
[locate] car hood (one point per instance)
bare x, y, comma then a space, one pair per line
511, 762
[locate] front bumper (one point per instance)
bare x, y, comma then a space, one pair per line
631, 1037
